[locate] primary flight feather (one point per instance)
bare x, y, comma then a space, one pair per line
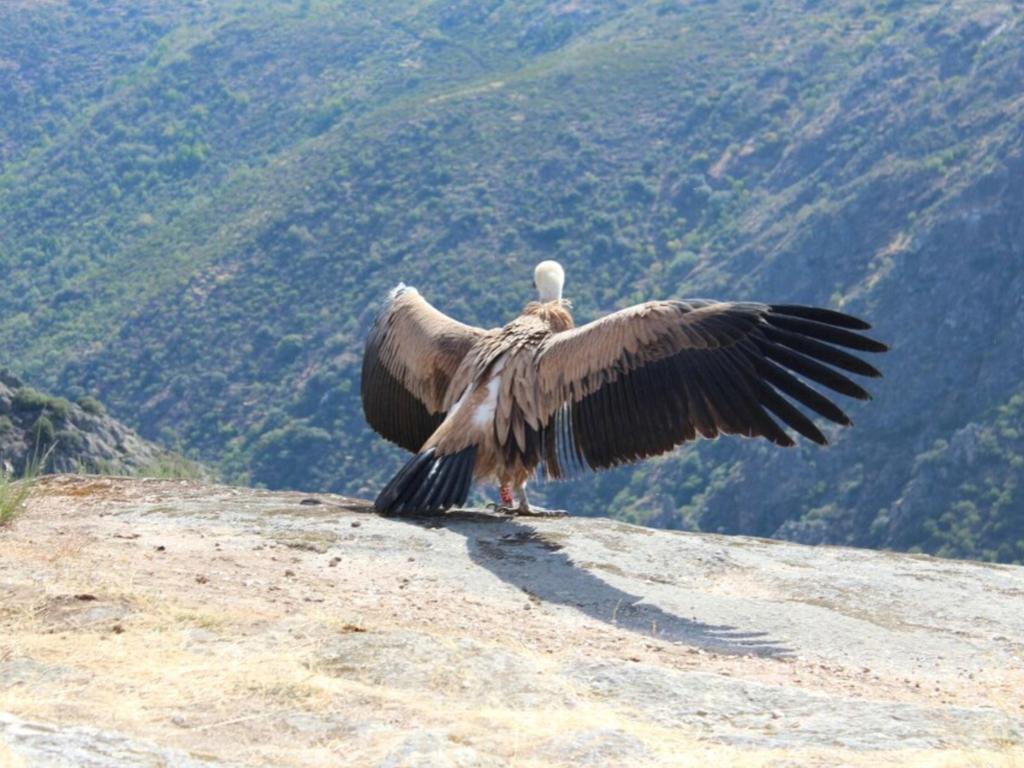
477, 405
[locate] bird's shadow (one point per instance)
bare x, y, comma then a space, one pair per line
520, 555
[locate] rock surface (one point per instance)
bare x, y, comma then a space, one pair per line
173, 623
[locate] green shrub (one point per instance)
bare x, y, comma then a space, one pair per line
58, 407
91, 406
71, 440
288, 348
28, 399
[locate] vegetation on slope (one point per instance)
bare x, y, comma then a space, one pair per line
41, 434
200, 208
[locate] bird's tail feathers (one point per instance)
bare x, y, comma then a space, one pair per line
429, 483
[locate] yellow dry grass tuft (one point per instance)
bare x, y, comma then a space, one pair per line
13, 496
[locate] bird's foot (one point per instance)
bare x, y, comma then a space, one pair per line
501, 509
532, 511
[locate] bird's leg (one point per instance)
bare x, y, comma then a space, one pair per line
524, 509
505, 506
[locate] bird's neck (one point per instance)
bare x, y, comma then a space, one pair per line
555, 313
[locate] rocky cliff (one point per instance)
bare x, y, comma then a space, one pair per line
158, 623
39, 432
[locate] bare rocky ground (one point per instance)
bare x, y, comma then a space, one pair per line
171, 623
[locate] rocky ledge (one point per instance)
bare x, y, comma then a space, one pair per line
160, 623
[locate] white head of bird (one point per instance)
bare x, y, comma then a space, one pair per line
548, 279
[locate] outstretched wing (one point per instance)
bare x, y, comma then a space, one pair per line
641, 381
411, 354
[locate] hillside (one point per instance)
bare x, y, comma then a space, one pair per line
42, 434
170, 622
201, 208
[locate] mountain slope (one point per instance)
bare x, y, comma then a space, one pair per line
199, 233
41, 433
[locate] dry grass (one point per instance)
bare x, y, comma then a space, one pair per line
13, 496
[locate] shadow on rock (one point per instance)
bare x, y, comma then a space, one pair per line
519, 555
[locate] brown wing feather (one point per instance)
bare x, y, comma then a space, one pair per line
411, 355
643, 380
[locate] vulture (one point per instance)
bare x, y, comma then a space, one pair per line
544, 395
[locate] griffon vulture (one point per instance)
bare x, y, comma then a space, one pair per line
542, 393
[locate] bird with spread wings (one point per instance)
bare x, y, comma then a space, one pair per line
541, 394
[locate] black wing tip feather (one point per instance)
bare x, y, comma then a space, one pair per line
831, 317
824, 331
822, 315
807, 341
429, 484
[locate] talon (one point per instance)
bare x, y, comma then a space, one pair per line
525, 509
539, 512
500, 509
